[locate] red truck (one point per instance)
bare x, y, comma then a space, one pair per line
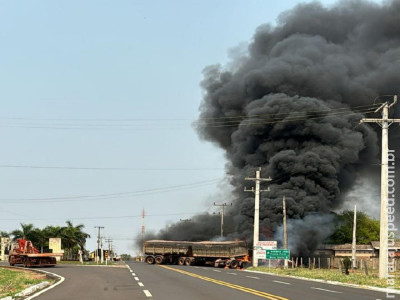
23, 252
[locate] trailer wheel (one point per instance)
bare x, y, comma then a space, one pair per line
234, 264
181, 261
188, 261
159, 259
150, 260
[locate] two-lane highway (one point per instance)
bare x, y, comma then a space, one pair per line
198, 283
166, 282
93, 283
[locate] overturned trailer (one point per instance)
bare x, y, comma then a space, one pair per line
231, 254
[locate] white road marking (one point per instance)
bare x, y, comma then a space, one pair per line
137, 278
140, 284
130, 271
326, 290
252, 277
231, 273
217, 271
133, 274
281, 282
147, 293
205, 268
50, 287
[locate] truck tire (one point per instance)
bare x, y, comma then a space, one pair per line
234, 264
188, 261
159, 259
181, 261
150, 260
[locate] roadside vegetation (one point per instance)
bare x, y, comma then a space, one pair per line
73, 238
357, 277
13, 281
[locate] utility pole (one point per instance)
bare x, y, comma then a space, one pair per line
98, 242
385, 122
143, 232
256, 192
353, 247
223, 205
109, 242
102, 252
285, 243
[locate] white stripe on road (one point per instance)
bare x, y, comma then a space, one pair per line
133, 274
281, 282
50, 287
137, 278
231, 273
205, 269
326, 290
140, 284
252, 277
217, 271
130, 271
147, 293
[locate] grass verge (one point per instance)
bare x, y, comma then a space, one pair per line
332, 275
13, 281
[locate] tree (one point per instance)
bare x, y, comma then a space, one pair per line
4, 234
367, 228
27, 232
73, 238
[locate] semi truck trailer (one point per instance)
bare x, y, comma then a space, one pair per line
232, 254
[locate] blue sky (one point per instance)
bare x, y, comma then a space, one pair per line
93, 85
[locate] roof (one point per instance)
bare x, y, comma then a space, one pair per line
375, 245
372, 246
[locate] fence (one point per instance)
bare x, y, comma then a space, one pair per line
329, 263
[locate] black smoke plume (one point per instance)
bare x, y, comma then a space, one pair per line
292, 105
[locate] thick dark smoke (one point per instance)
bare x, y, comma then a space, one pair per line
292, 104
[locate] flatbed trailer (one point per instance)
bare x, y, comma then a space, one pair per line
24, 253
231, 254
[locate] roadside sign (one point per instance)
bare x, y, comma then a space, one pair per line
278, 254
260, 254
264, 245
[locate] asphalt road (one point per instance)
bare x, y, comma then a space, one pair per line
142, 281
200, 283
93, 283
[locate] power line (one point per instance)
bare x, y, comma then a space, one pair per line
115, 195
107, 217
221, 121
107, 168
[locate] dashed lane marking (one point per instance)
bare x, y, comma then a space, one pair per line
231, 273
253, 277
217, 271
314, 288
137, 278
281, 282
140, 284
147, 293
228, 284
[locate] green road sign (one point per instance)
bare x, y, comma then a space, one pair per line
278, 254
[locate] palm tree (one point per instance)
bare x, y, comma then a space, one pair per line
27, 232
4, 234
73, 237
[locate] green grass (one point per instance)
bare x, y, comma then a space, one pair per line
15, 281
333, 275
